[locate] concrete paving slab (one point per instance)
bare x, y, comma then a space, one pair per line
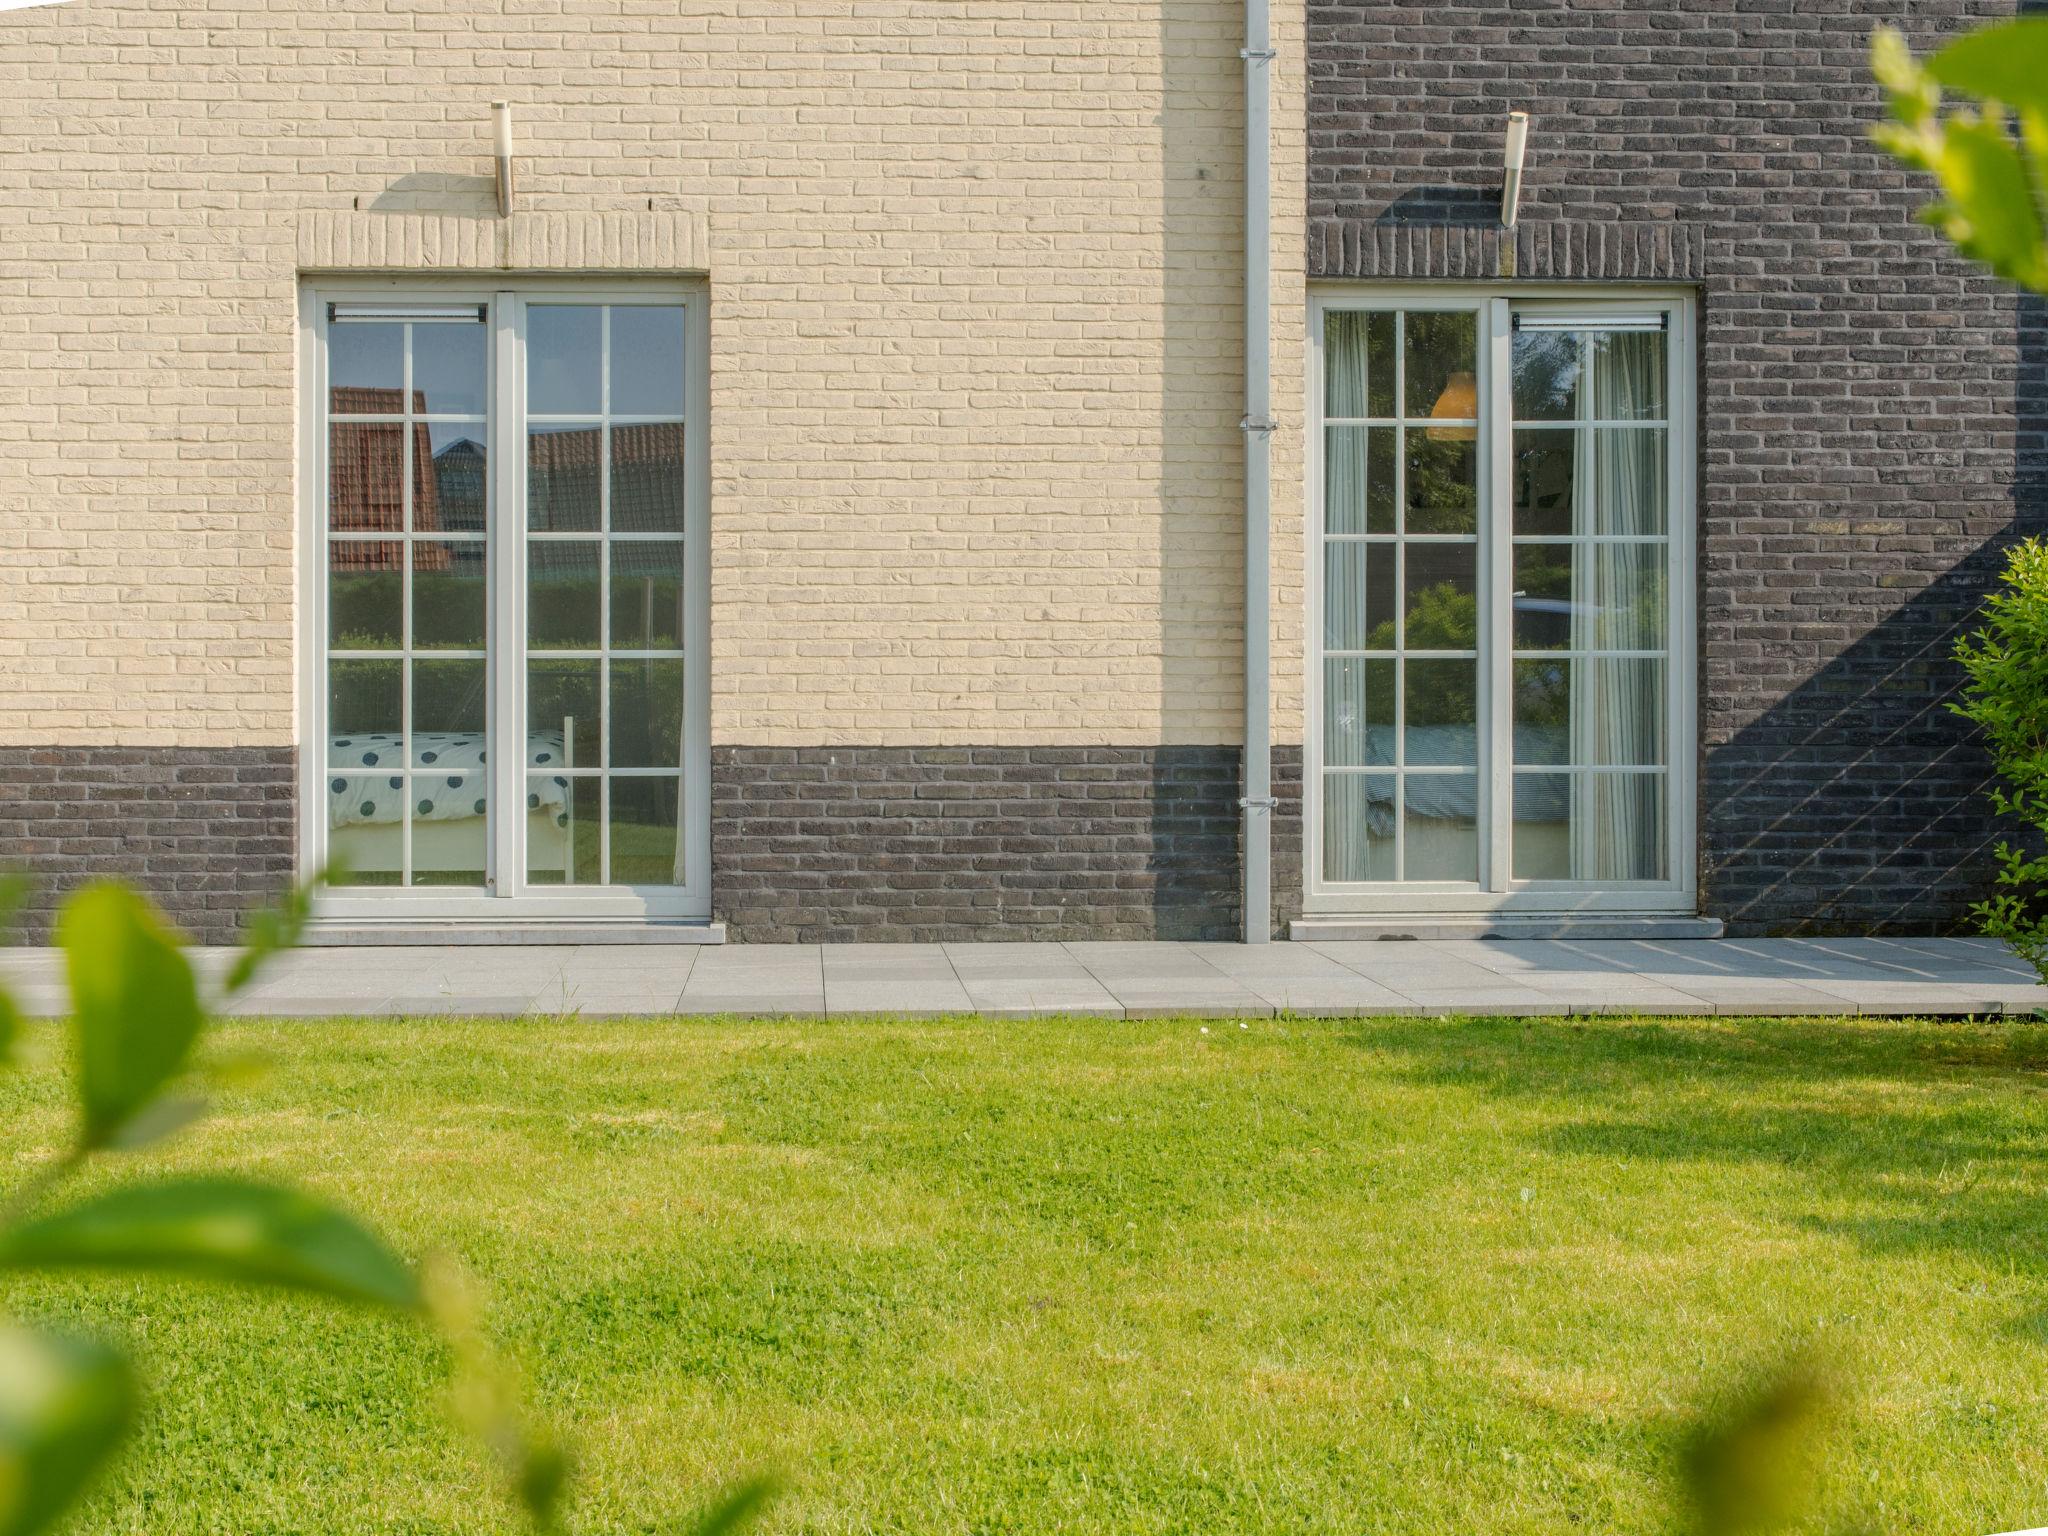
1110, 979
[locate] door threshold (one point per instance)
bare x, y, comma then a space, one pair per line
330, 932
1557, 925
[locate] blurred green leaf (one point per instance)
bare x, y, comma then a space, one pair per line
135, 1007
64, 1404
1750, 1471
1995, 184
1990, 212
14, 889
160, 1119
736, 1509
1913, 94
540, 1479
279, 927
229, 1229
2007, 63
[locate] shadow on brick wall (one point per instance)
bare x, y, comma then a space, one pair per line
1857, 802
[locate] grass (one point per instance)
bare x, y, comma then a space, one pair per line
1076, 1276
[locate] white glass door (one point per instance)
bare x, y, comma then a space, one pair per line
507, 700
1501, 687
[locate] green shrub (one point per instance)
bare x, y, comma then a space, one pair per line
2007, 696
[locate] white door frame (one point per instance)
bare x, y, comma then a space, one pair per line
506, 897
1496, 891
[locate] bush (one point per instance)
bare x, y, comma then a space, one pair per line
2007, 696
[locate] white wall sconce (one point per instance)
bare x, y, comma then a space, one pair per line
1511, 166
501, 115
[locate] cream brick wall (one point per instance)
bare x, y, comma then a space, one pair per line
976, 337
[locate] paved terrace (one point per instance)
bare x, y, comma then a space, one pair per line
1700, 976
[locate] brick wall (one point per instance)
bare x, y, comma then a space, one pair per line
1873, 412
976, 317
206, 832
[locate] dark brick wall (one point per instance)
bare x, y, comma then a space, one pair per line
958, 843
1872, 409
206, 831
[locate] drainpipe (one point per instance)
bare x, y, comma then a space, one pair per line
1257, 802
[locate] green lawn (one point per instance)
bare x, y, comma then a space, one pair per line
1080, 1276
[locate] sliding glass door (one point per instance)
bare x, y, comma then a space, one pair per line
1501, 589
505, 699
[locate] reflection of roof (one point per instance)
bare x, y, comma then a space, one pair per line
647, 478
366, 471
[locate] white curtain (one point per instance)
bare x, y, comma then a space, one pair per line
1357, 811
1618, 605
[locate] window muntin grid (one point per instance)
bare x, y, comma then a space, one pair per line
647, 549
1657, 744
385, 508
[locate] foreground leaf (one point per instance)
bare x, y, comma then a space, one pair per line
135, 1007
736, 1510
64, 1404
1752, 1471
2007, 63
228, 1229
278, 928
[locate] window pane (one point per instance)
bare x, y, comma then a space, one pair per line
1442, 598
1542, 706
647, 477
447, 711
365, 368
1442, 723
645, 850
1615, 603
1358, 597
562, 834
562, 595
562, 714
364, 826
563, 357
647, 714
1543, 597
1618, 715
1628, 375
562, 485
452, 493
363, 707
1441, 355
365, 589
1541, 836
647, 360
448, 368
1541, 481
366, 477
1606, 827
1546, 375
1443, 483
647, 596
1440, 826
1358, 479
1629, 487
1358, 712
1358, 363
1618, 827
450, 834
1358, 826
448, 595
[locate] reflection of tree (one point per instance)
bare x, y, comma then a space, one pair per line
1440, 343
1546, 370
1443, 617
1443, 486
